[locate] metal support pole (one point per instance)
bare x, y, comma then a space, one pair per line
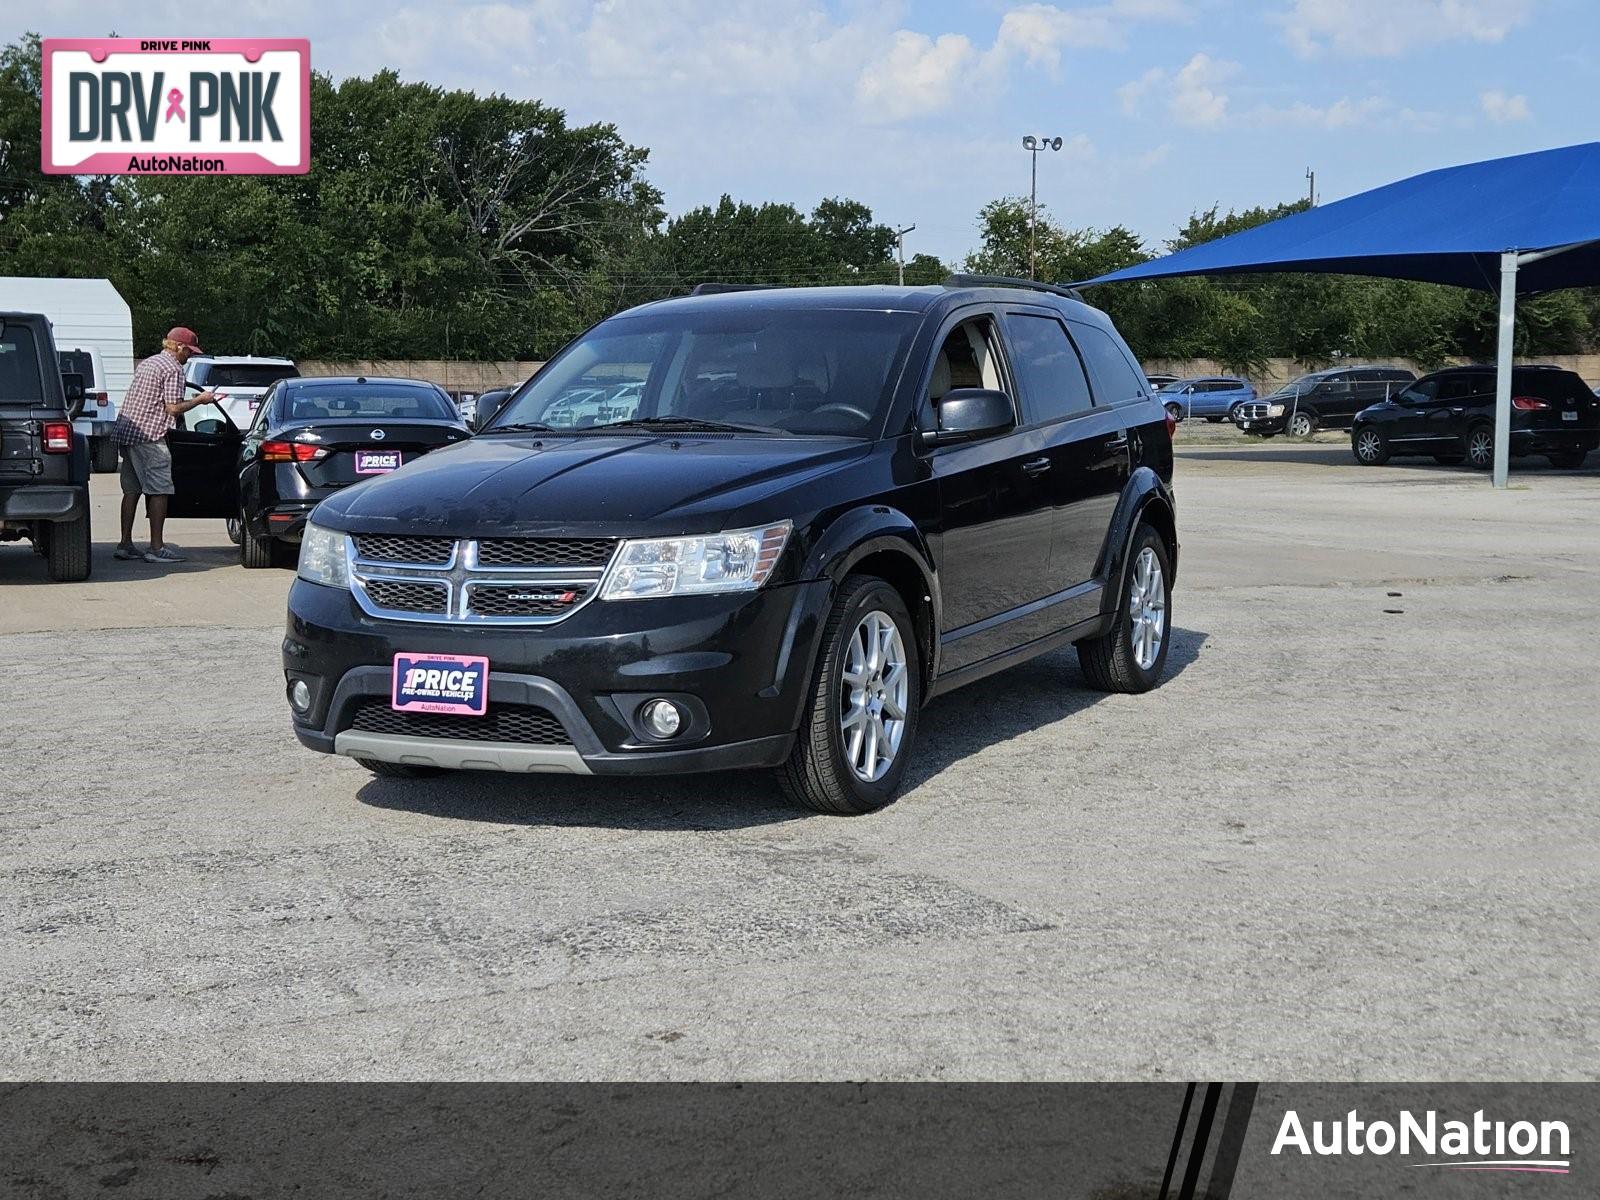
900, 250
1033, 219
1502, 370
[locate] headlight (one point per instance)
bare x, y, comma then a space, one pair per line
322, 557
739, 560
1275, 410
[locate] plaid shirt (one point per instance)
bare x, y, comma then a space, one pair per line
143, 416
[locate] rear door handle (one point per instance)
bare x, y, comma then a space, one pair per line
1036, 466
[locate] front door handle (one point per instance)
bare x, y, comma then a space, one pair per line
1036, 466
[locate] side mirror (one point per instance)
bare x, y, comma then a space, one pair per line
965, 414
72, 385
486, 407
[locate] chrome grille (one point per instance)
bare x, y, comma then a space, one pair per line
499, 581
501, 723
406, 596
385, 548
1253, 412
545, 552
522, 599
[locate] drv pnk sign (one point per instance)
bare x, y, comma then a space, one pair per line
168, 106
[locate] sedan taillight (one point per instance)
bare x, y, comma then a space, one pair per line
1528, 403
291, 452
57, 437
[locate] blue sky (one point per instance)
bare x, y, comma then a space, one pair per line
1165, 106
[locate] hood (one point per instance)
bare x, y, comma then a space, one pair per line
595, 484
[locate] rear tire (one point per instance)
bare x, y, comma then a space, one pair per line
1480, 448
389, 770
66, 550
1569, 460
1369, 446
858, 685
255, 554
1130, 656
102, 455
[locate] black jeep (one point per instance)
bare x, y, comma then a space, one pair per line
44, 466
752, 528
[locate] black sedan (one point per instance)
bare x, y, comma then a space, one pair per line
1449, 416
309, 439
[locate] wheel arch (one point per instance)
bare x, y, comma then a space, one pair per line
1145, 498
881, 541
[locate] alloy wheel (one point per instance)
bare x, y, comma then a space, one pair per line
1368, 445
874, 692
1480, 448
1300, 425
1147, 609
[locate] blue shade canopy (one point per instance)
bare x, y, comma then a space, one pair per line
1446, 226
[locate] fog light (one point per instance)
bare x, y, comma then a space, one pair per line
300, 696
662, 718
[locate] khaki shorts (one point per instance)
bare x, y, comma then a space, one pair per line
146, 469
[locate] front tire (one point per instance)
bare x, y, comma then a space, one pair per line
235, 527
66, 550
1130, 656
1301, 425
1369, 446
851, 753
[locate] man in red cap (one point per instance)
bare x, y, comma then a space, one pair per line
153, 399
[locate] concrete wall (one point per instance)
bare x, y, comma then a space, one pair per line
1280, 370
482, 376
451, 375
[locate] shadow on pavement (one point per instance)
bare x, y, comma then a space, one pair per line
19, 565
1007, 705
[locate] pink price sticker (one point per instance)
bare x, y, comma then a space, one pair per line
170, 106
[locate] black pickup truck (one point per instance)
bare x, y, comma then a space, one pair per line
44, 466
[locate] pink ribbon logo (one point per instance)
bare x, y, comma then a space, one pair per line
175, 105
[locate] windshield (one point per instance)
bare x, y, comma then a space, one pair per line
19, 366
244, 375
1177, 385
1299, 387
327, 402
798, 372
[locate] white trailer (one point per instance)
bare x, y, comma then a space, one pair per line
90, 315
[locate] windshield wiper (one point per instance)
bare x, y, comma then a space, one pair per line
523, 427
688, 424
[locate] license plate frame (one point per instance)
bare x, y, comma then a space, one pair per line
452, 684
378, 462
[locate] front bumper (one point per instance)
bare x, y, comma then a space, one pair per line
42, 502
1263, 424
738, 665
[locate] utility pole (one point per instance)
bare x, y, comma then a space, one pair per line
900, 250
1311, 187
1033, 146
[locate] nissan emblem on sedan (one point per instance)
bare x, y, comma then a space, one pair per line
748, 528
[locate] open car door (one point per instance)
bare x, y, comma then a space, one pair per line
205, 464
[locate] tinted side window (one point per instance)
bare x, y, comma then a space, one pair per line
19, 366
1112, 371
1456, 387
1046, 366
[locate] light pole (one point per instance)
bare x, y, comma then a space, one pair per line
900, 250
1033, 146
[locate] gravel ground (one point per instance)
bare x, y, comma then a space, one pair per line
1352, 836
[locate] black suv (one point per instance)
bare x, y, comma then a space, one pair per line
754, 528
44, 465
1322, 399
1449, 415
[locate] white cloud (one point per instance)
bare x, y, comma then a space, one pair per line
1385, 28
916, 76
1501, 108
1193, 92
1040, 32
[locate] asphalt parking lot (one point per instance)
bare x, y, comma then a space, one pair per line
1353, 836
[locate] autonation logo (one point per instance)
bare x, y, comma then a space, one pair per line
1476, 1145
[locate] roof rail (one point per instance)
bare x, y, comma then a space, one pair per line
712, 289
1055, 289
